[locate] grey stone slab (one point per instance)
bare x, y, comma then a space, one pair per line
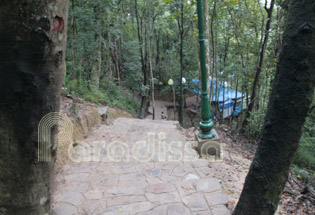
124, 200
65, 208
220, 210
217, 198
196, 202
207, 185
163, 198
160, 188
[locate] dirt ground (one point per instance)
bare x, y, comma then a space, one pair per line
238, 154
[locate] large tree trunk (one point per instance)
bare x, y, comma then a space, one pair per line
32, 40
288, 107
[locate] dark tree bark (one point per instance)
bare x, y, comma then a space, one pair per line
289, 105
32, 40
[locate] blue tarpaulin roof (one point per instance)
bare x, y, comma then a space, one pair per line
225, 92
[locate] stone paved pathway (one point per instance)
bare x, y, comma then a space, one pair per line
163, 185
160, 107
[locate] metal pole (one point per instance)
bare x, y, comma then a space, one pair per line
206, 123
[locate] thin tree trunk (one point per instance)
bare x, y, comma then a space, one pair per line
117, 63
109, 57
96, 66
151, 70
214, 74
207, 38
32, 65
174, 102
235, 98
143, 67
226, 49
288, 107
261, 63
120, 57
170, 68
81, 64
180, 22
223, 105
73, 75
157, 62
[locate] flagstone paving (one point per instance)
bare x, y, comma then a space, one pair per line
173, 181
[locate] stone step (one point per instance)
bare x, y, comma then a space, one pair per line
145, 121
160, 185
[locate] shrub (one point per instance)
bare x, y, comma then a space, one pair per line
108, 94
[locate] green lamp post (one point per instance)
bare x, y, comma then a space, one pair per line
206, 123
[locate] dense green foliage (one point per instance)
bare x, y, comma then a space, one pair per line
305, 157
